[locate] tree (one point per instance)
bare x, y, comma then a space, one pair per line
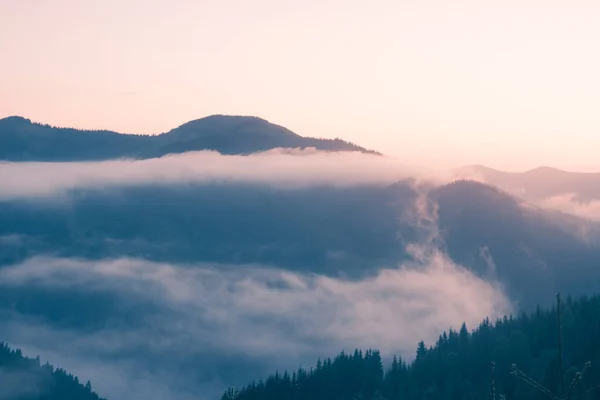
458, 366
576, 379
230, 394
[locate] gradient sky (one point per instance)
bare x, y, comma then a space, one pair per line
511, 83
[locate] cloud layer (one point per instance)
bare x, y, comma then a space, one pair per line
262, 315
288, 168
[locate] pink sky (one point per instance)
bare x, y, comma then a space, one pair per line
511, 84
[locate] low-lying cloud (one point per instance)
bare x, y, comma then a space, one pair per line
569, 203
287, 168
573, 193
269, 316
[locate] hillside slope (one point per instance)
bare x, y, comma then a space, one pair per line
534, 252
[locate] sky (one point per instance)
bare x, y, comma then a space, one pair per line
511, 84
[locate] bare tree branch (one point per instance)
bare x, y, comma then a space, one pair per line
521, 375
493, 383
577, 378
592, 390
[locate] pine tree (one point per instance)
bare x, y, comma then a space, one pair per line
576, 379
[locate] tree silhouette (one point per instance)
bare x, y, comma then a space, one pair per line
576, 379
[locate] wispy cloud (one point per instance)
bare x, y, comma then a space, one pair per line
571, 204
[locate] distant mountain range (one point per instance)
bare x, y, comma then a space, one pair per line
539, 183
23, 140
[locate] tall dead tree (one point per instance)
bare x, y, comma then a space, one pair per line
560, 351
493, 382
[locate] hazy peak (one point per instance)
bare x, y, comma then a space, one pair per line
544, 170
477, 168
15, 119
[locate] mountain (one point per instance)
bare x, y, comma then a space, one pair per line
23, 378
170, 287
273, 247
533, 251
349, 231
539, 183
332, 230
23, 140
458, 365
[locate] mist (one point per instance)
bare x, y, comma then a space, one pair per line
569, 203
226, 314
284, 168
268, 316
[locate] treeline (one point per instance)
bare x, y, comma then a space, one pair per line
459, 365
23, 378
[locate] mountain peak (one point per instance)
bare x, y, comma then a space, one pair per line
15, 119
544, 170
217, 124
224, 118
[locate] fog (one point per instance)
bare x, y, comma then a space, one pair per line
140, 329
18, 385
569, 203
286, 168
280, 319
575, 193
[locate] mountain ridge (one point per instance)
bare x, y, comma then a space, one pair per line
539, 184
24, 140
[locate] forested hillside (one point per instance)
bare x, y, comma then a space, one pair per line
23, 140
23, 378
459, 364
